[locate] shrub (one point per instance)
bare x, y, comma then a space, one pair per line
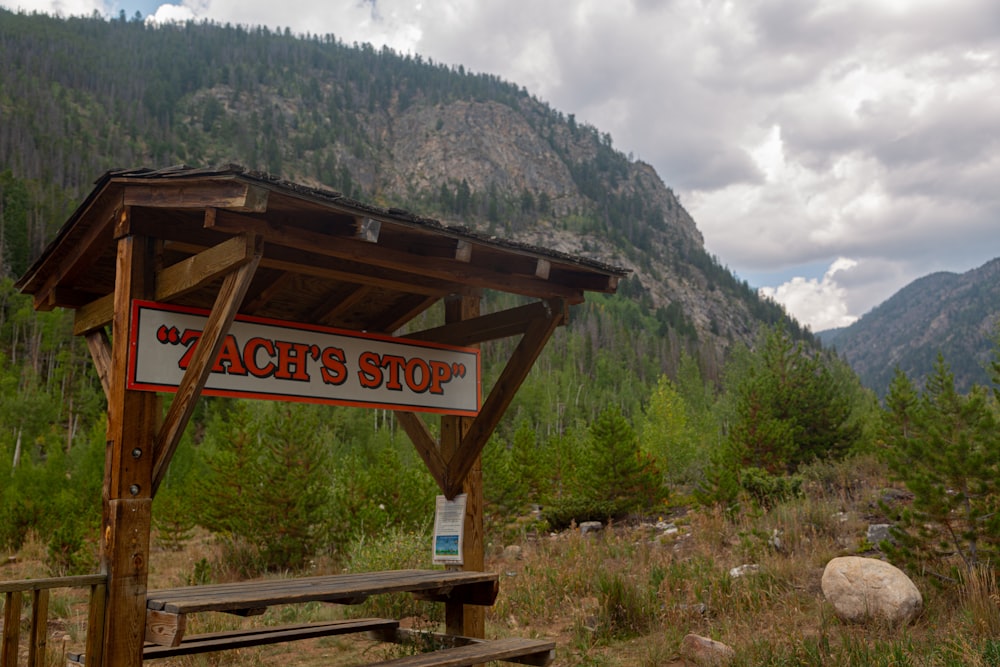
395, 548
768, 490
562, 513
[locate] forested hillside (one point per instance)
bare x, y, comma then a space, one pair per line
951, 314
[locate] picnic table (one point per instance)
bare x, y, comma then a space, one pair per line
167, 611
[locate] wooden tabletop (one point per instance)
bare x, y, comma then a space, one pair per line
479, 588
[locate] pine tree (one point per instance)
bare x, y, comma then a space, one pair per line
790, 407
615, 469
945, 448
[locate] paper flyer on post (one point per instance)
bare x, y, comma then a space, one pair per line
449, 522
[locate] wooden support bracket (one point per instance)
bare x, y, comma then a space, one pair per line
227, 304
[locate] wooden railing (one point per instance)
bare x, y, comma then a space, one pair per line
14, 593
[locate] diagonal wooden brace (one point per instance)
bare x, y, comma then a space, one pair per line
514, 373
227, 303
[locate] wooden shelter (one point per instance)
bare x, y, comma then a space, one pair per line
240, 243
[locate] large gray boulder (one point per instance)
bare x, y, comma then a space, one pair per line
862, 589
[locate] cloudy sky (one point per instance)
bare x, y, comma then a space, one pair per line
831, 151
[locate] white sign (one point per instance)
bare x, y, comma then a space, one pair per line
449, 525
285, 361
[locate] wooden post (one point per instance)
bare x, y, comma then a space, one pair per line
468, 620
133, 421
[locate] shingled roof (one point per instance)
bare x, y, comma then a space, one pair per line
326, 259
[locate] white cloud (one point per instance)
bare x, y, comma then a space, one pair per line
819, 304
170, 14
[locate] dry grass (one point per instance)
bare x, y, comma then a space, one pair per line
628, 595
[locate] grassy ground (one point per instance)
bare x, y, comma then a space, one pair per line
628, 595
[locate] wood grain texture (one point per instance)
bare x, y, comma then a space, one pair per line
536, 652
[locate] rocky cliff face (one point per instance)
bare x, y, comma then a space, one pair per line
496, 148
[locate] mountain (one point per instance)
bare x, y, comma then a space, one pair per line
81, 95
954, 314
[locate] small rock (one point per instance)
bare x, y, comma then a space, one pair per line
698, 608
512, 552
867, 588
591, 527
743, 570
879, 532
705, 652
891, 495
666, 528
775, 540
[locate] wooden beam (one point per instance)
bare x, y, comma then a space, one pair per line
403, 311
295, 261
94, 646
425, 445
227, 303
463, 619
266, 290
514, 373
440, 268
502, 324
127, 536
228, 194
133, 418
193, 272
317, 265
176, 280
100, 351
165, 628
337, 304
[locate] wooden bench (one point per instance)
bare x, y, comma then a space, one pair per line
234, 639
513, 649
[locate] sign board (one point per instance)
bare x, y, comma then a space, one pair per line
285, 361
449, 528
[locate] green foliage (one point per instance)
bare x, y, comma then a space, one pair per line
946, 449
564, 512
265, 487
768, 490
667, 434
173, 519
789, 406
382, 485
393, 548
613, 467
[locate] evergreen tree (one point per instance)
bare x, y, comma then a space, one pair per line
266, 484
614, 468
789, 406
946, 449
